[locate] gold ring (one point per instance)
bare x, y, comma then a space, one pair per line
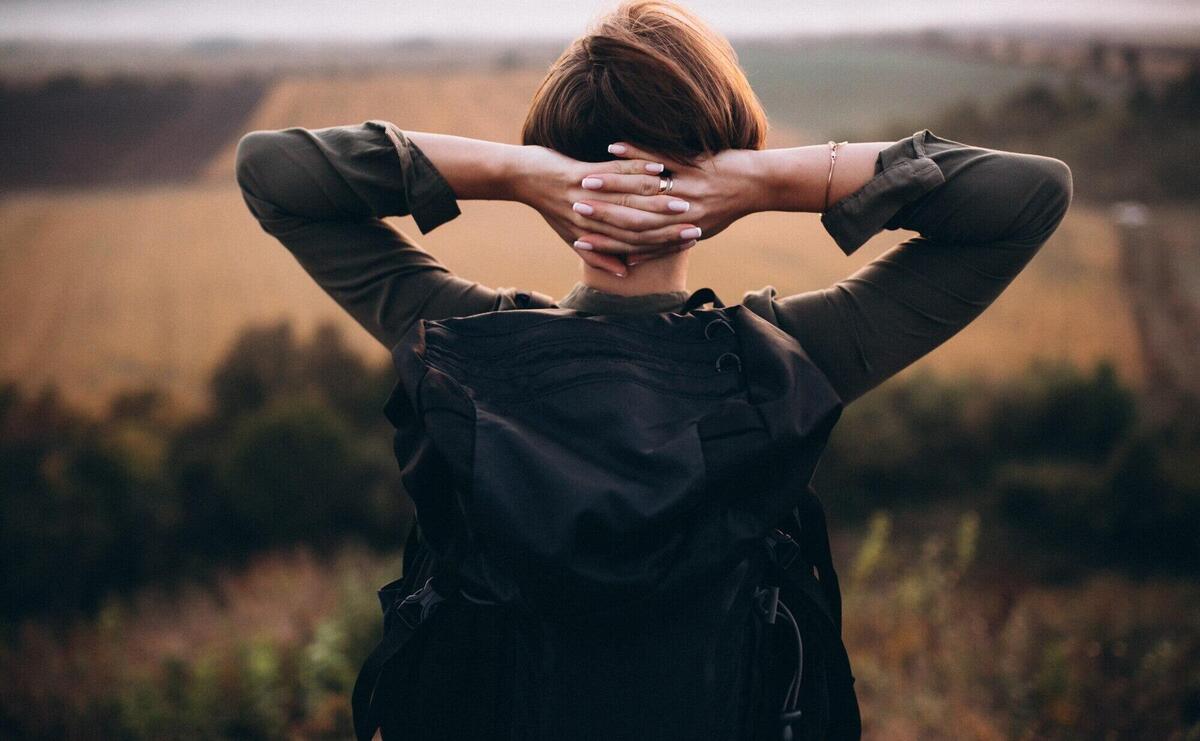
665, 184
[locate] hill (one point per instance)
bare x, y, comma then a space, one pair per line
108, 288
121, 129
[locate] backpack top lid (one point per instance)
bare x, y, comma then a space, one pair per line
567, 462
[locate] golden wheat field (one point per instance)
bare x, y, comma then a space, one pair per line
103, 289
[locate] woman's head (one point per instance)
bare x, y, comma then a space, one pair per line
650, 73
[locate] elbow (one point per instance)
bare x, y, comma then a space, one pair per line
1050, 189
1059, 185
253, 150
259, 165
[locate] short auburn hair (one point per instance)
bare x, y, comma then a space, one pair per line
650, 73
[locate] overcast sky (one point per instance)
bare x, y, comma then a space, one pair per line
375, 19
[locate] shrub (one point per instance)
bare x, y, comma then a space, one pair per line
294, 471
295, 448
912, 440
1056, 411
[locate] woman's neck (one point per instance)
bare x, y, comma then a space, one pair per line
661, 275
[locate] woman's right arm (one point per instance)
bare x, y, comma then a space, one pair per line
324, 193
981, 215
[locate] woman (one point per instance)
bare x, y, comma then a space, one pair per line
644, 138
982, 214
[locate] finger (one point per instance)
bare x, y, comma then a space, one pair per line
628, 151
625, 217
631, 167
669, 250
600, 261
644, 185
635, 245
668, 204
643, 240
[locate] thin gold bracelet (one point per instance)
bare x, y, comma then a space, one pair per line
832, 161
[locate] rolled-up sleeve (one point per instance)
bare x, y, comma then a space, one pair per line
904, 172
323, 194
981, 215
429, 198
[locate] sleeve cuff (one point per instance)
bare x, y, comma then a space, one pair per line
904, 172
430, 199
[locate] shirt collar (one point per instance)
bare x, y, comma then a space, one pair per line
588, 299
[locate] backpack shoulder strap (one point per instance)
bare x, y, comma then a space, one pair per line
406, 603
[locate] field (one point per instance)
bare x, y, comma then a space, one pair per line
106, 288
1063, 616
940, 650
852, 87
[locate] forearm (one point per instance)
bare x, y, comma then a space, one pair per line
794, 179
475, 169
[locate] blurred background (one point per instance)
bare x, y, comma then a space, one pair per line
197, 492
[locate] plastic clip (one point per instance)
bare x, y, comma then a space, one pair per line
768, 603
718, 321
721, 361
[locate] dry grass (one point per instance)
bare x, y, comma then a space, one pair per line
105, 289
488, 105
940, 650
58, 680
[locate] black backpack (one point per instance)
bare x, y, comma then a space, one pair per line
618, 537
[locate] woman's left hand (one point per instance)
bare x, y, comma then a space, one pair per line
570, 196
719, 189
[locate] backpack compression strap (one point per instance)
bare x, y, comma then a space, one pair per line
796, 553
816, 537
408, 614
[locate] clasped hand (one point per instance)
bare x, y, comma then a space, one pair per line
612, 213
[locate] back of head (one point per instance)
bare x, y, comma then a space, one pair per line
650, 73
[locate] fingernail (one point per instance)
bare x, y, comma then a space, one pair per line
679, 206
616, 149
654, 167
593, 183
619, 275
631, 263
583, 208
582, 245
692, 232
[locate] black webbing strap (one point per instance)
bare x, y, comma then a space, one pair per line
814, 542
366, 718
700, 297
797, 569
801, 552
400, 623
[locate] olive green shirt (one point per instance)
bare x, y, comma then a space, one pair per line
981, 215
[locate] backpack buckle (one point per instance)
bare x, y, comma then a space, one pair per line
768, 603
413, 609
784, 549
